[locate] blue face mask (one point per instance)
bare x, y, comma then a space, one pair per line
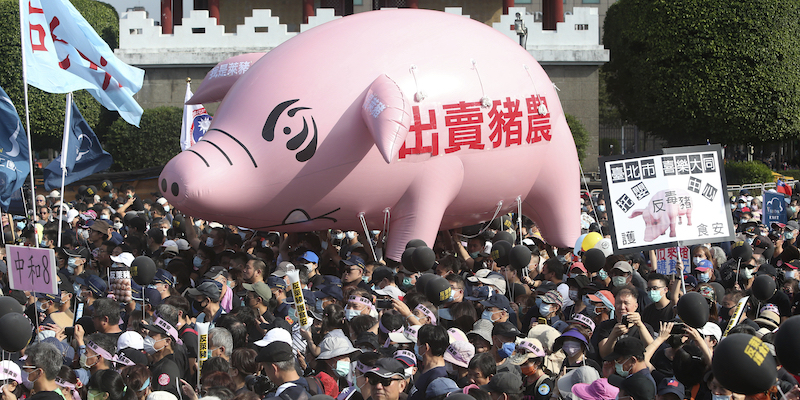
43, 243
704, 277
365, 279
319, 305
487, 315
197, 262
342, 368
20, 225
350, 314
210, 242
416, 352
601, 208
602, 274
788, 235
506, 350
406, 282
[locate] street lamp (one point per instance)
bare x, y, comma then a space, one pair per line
522, 31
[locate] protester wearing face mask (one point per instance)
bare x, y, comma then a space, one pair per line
504, 335
602, 280
496, 308
432, 342
549, 307
159, 346
628, 356
622, 276
662, 308
97, 353
353, 273
457, 358
109, 385
73, 261
575, 346
206, 301
42, 365
335, 358
360, 303
529, 356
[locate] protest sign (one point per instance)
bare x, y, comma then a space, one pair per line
774, 208
668, 197
32, 269
667, 260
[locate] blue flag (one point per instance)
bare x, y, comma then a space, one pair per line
14, 167
83, 155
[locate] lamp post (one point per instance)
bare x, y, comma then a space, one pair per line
522, 31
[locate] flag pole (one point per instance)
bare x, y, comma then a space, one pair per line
64, 147
27, 113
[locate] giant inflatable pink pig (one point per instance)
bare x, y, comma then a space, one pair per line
425, 118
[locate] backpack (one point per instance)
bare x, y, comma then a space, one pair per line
314, 385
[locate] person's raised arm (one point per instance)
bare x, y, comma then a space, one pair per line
607, 344
663, 335
191, 235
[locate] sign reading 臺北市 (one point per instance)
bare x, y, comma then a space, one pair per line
665, 198
32, 269
774, 208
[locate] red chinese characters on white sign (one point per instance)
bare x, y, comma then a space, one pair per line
468, 126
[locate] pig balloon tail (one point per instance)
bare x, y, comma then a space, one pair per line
485, 227
366, 234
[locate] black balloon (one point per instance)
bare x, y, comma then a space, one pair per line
423, 258
143, 269
763, 287
693, 309
91, 190
500, 252
519, 257
438, 290
742, 364
503, 236
787, 347
179, 223
416, 243
82, 190
9, 304
743, 251
594, 260
422, 281
106, 185
16, 332
405, 259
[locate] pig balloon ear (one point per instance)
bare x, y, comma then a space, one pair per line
387, 114
636, 213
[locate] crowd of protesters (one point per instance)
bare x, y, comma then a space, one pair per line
549, 329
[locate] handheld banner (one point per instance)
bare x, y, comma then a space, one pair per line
202, 347
667, 260
666, 198
737, 315
32, 269
774, 208
299, 301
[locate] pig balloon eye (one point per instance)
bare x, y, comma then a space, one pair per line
294, 143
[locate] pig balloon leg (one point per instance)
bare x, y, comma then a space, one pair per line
423, 205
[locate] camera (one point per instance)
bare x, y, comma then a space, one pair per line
260, 385
383, 304
624, 320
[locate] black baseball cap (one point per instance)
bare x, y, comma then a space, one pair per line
388, 367
637, 386
504, 382
380, 274
626, 347
275, 352
506, 329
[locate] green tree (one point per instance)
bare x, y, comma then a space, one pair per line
687, 70
742, 172
47, 109
579, 134
154, 143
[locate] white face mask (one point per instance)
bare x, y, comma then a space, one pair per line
350, 234
117, 225
210, 242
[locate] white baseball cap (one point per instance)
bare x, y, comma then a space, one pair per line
275, 335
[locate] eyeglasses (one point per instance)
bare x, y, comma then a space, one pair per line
374, 380
655, 287
29, 367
